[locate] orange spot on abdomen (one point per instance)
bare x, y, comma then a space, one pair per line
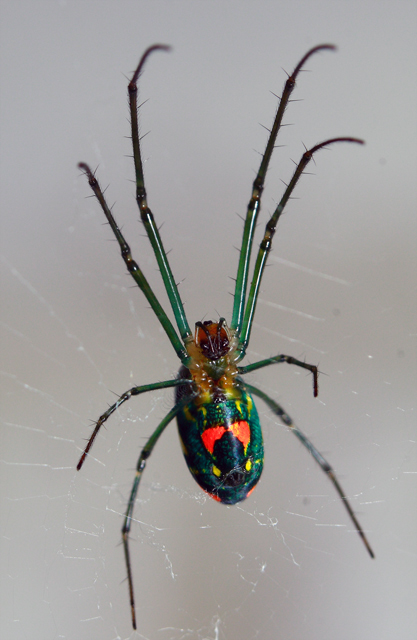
242, 432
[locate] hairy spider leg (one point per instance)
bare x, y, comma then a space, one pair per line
151, 230
254, 204
145, 212
260, 364
145, 453
133, 267
328, 470
134, 391
266, 243
141, 281
241, 324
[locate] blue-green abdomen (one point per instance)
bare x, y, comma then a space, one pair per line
222, 444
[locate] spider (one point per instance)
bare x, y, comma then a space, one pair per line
217, 420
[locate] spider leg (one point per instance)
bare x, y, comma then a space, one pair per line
257, 189
145, 453
266, 244
151, 230
145, 212
289, 360
133, 267
328, 470
135, 391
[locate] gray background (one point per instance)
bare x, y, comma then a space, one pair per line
339, 291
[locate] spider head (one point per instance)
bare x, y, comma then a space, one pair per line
211, 363
212, 338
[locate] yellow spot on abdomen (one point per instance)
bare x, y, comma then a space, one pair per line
249, 404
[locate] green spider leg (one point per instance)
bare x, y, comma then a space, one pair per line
133, 267
151, 230
263, 253
145, 212
144, 455
178, 343
257, 189
266, 243
134, 391
244, 310
328, 470
289, 360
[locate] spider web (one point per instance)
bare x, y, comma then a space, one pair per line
339, 290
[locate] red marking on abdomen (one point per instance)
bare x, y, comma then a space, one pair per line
242, 432
213, 495
209, 437
250, 491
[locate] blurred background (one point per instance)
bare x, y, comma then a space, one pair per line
339, 291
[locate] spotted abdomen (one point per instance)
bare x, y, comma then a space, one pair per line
222, 444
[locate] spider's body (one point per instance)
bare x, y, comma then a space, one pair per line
217, 419
219, 428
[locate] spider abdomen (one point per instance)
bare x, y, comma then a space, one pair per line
222, 445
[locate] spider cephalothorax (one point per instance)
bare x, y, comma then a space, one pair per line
212, 338
212, 360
